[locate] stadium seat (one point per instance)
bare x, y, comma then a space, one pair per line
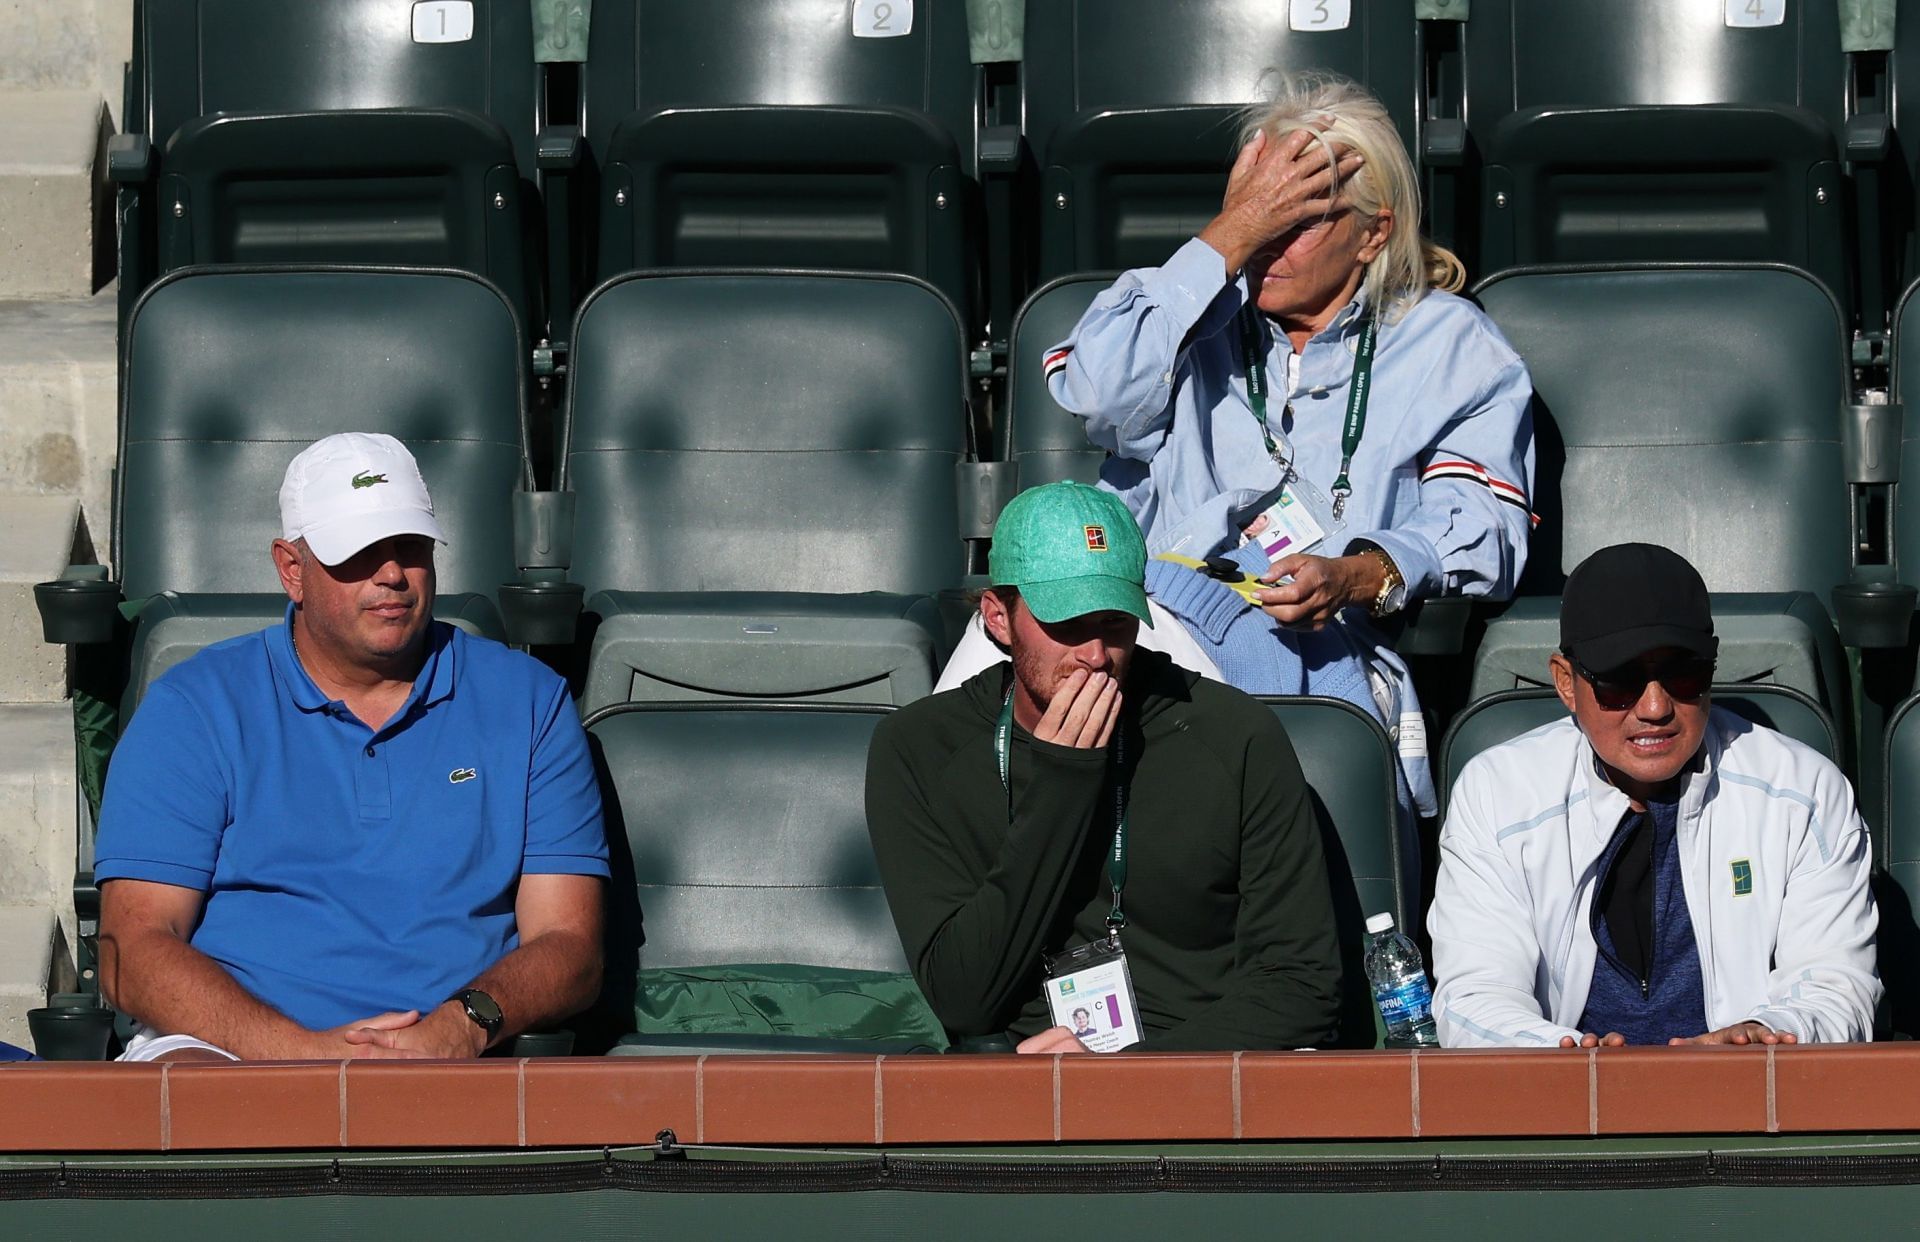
765, 472
1904, 462
1633, 131
1698, 408
1133, 107
805, 134
1373, 859
353, 131
740, 840
230, 373
1499, 718
1045, 443
1896, 849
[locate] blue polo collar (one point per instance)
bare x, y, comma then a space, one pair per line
435, 684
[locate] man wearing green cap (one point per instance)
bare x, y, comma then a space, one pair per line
1088, 798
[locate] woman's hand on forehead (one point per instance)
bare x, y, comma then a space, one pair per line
1277, 186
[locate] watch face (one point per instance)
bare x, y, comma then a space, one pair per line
482, 1007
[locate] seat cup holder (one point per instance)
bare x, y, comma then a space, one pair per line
1874, 614
541, 614
77, 610
71, 1032
543, 1044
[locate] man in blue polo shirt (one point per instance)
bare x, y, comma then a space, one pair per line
358, 833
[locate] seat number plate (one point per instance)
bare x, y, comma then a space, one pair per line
882, 19
1319, 14
443, 21
1756, 12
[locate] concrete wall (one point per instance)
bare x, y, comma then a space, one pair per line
65, 44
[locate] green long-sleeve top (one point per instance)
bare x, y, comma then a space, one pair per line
1230, 932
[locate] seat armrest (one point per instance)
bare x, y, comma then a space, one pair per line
129, 159
1001, 148
543, 529
1443, 143
985, 487
559, 148
1869, 138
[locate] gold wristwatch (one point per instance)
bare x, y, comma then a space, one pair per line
1393, 587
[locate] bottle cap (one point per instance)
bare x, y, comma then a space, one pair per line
1379, 923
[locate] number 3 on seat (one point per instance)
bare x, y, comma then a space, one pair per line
1319, 14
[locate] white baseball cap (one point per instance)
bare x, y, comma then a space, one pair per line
352, 490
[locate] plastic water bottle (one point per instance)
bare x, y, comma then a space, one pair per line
1400, 987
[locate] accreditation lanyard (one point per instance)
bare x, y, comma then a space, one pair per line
1357, 392
1117, 859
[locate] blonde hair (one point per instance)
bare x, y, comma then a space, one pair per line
1408, 265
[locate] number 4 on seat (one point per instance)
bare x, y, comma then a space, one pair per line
1756, 12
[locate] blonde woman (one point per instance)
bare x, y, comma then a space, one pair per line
1298, 390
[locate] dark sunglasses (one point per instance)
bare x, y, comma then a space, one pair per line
1620, 688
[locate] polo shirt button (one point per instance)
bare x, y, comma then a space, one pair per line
369, 752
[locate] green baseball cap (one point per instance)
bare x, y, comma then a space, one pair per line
1071, 550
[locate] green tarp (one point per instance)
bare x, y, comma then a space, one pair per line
809, 1001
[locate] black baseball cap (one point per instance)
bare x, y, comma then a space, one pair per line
1632, 598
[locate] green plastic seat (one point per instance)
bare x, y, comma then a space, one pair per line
1498, 718
1132, 109
1698, 408
1906, 392
765, 472
1046, 443
837, 152
282, 131
682, 646
229, 374
175, 626
1373, 859
1896, 850
739, 836
1638, 131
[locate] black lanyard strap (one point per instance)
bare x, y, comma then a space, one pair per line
1117, 859
1358, 392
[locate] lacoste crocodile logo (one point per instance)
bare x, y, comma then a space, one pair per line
365, 479
460, 775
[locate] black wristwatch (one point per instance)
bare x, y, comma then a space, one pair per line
482, 1009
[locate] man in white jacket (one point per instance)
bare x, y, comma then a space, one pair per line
1651, 869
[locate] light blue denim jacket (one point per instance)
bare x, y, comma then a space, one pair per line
1444, 473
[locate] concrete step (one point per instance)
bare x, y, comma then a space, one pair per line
38, 822
56, 216
26, 958
36, 543
57, 402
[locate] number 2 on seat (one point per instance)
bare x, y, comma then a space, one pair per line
882, 19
